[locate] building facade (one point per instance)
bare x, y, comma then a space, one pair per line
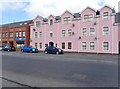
89, 31
16, 34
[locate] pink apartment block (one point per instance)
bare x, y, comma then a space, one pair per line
91, 31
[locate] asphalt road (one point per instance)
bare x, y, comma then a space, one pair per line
68, 70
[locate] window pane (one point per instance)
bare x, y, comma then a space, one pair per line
84, 45
63, 45
69, 45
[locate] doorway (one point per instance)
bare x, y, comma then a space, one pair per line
119, 47
51, 43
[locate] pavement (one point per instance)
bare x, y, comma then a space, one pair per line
67, 70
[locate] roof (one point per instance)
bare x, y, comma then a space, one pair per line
76, 15
117, 18
17, 24
57, 18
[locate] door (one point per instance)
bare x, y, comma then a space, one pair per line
119, 47
51, 43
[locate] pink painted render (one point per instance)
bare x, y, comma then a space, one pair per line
76, 26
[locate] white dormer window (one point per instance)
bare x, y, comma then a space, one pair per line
37, 23
105, 15
67, 20
88, 18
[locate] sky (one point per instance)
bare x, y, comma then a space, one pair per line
21, 10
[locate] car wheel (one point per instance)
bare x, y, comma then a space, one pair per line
46, 52
57, 52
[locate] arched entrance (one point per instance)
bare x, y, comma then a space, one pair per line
51, 43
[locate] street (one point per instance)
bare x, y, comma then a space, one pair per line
67, 70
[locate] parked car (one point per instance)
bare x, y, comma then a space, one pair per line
29, 49
1, 48
9, 48
53, 50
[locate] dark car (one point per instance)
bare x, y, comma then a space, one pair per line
53, 50
29, 49
9, 48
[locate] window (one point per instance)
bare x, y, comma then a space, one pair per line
36, 45
51, 22
16, 34
106, 46
40, 45
63, 33
23, 33
67, 20
92, 31
3, 35
51, 34
20, 34
105, 15
56, 45
63, 45
6, 35
84, 45
46, 45
88, 17
36, 34
40, 34
11, 34
37, 23
69, 45
105, 31
92, 45
84, 32
69, 32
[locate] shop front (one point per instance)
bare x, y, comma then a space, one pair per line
20, 42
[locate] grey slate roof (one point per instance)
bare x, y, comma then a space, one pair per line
57, 18
17, 24
76, 15
117, 18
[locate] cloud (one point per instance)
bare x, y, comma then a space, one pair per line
101, 2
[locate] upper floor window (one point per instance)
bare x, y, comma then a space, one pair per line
16, 34
6, 35
105, 31
11, 34
36, 34
37, 23
51, 22
40, 34
84, 32
105, 15
63, 33
67, 20
88, 17
20, 34
69, 32
92, 31
3, 35
23, 33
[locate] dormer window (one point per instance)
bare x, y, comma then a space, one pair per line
51, 22
37, 23
67, 20
105, 15
88, 18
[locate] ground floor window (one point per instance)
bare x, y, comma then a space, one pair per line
69, 45
40, 45
92, 45
36, 45
4, 43
83, 45
105, 46
63, 45
19, 44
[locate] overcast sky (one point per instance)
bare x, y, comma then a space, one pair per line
17, 10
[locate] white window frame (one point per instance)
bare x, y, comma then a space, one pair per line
36, 46
82, 45
89, 17
82, 31
51, 34
104, 33
105, 17
65, 45
108, 46
90, 32
36, 34
11, 36
67, 20
23, 33
37, 23
71, 45
91, 45
63, 33
17, 34
40, 34
40, 45
69, 32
